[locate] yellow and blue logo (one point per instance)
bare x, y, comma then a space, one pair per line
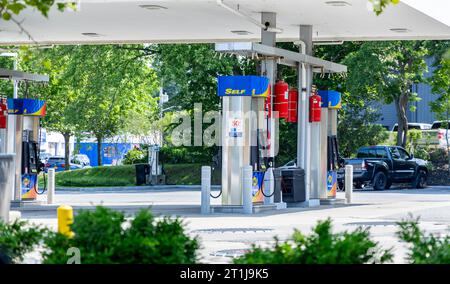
243, 86
28, 107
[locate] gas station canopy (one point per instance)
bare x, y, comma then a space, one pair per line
116, 21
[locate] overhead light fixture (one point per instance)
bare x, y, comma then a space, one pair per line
153, 7
338, 3
242, 32
400, 30
92, 34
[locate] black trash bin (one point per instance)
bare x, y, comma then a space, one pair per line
291, 182
142, 170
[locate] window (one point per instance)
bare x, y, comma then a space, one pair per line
382, 154
403, 154
109, 151
394, 153
372, 153
363, 153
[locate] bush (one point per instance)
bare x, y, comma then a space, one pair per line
321, 247
135, 156
425, 248
16, 240
103, 237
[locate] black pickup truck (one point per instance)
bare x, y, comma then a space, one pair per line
381, 166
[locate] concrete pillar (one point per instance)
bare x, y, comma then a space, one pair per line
247, 182
18, 138
206, 190
50, 186
304, 130
348, 183
323, 153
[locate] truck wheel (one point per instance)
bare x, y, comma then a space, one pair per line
389, 184
380, 181
420, 181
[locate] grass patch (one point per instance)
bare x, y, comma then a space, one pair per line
98, 176
188, 174
176, 174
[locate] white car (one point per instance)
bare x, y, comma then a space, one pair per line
414, 125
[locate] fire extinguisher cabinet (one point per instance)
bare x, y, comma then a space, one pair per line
281, 99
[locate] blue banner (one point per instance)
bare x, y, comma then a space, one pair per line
243, 86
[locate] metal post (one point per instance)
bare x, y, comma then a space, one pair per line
50, 186
304, 143
268, 69
348, 183
247, 181
206, 190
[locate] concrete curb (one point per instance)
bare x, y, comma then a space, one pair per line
136, 188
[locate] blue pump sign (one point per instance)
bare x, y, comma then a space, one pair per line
243, 86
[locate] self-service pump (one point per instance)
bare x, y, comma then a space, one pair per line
28, 113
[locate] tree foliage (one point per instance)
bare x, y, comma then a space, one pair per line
8, 8
386, 71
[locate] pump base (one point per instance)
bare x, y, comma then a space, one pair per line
25, 203
332, 201
308, 203
257, 208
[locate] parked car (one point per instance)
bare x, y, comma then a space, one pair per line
437, 136
44, 157
58, 163
82, 160
414, 125
381, 166
290, 164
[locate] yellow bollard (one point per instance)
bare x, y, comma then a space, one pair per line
65, 219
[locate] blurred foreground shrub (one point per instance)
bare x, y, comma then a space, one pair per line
104, 237
424, 248
17, 239
321, 247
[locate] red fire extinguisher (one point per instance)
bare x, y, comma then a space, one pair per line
314, 107
293, 106
3, 113
281, 99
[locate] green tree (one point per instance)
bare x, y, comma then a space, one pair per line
63, 106
110, 81
355, 121
386, 71
8, 8
440, 83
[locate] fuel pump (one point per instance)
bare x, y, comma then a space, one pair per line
30, 111
330, 147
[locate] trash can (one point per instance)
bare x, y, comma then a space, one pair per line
6, 173
294, 185
142, 171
